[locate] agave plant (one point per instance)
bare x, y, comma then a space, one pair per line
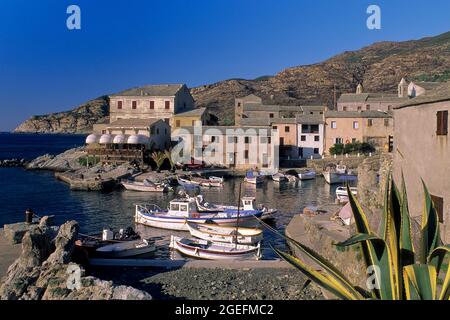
401, 273
159, 158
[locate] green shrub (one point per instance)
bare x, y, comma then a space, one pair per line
91, 160
352, 148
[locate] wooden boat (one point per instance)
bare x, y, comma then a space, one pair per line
307, 175
187, 183
342, 195
225, 234
208, 182
279, 177
203, 249
253, 178
126, 249
268, 214
146, 186
182, 211
338, 175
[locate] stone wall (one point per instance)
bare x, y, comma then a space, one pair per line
352, 162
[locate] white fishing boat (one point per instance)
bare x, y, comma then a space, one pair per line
146, 186
225, 234
203, 249
338, 175
182, 211
126, 249
208, 182
279, 177
307, 175
342, 195
253, 178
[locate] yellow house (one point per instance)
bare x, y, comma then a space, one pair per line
188, 118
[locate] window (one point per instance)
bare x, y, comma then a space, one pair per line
442, 123
133, 104
248, 140
270, 115
214, 139
269, 140
386, 122
316, 150
239, 104
281, 141
183, 207
439, 205
333, 125
193, 123
303, 138
369, 122
344, 108
167, 105
316, 138
359, 108
355, 124
177, 123
353, 140
157, 130
174, 206
245, 154
152, 105
389, 108
286, 129
311, 112
368, 107
339, 140
275, 128
314, 128
119, 104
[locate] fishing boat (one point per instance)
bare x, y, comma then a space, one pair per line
146, 186
338, 175
253, 178
225, 234
182, 211
208, 182
126, 249
307, 175
203, 249
279, 177
342, 195
187, 183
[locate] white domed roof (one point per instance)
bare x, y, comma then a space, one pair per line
92, 138
120, 139
138, 139
106, 138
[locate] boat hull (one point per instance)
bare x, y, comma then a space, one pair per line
143, 188
225, 234
125, 249
307, 176
335, 178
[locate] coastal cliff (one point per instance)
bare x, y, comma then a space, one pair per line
379, 67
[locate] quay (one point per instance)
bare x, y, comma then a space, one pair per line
8, 253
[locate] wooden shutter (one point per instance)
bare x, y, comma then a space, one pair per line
442, 123
167, 105
152, 105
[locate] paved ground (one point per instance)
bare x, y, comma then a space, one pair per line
8, 253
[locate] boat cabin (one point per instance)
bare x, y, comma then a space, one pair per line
183, 207
248, 203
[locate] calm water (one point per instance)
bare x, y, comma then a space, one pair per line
40, 191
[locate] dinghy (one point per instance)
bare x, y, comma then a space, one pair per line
253, 178
279, 177
187, 183
208, 182
338, 175
342, 195
307, 175
182, 211
203, 249
225, 234
126, 249
146, 186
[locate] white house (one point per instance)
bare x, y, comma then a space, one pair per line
310, 131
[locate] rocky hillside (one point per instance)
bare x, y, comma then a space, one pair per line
378, 67
78, 120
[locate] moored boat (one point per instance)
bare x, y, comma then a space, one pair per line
187, 183
307, 175
126, 249
215, 233
253, 178
279, 177
338, 175
203, 249
342, 195
185, 210
145, 186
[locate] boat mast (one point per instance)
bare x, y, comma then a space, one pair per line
238, 212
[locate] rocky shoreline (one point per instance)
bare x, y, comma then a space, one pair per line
13, 163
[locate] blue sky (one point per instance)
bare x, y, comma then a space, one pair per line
45, 68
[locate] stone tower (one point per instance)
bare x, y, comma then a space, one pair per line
403, 89
359, 89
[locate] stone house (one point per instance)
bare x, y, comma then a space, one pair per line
151, 102
189, 118
375, 127
239, 147
422, 151
311, 134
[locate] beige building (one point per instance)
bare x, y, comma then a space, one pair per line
362, 101
189, 118
151, 102
238, 147
422, 151
374, 127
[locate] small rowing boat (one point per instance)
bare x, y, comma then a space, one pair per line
338, 175
307, 175
279, 177
253, 178
215, 233
342, 195
203, 249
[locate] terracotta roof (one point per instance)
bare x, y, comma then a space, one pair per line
370, 97
162, 90
358, 114
439, 94
191, 113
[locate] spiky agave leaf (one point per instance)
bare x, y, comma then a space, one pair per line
325, 280
420, 282
429, 228
436, 259
380, 256
405, 240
